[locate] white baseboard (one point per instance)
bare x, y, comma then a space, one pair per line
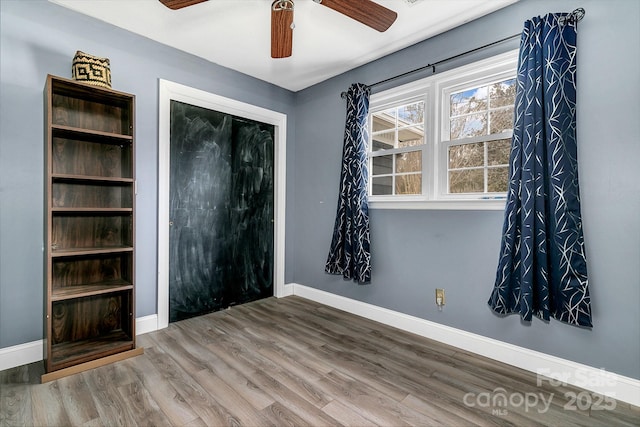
546, 367
33, 351
21, 354
146, 324
287, 290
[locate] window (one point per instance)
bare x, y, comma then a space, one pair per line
445, 139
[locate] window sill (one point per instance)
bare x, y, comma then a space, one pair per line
455, 205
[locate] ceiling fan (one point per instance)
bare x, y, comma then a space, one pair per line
366, 12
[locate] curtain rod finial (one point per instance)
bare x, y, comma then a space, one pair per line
578, 14
573, 17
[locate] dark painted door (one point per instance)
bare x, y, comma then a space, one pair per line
221, 211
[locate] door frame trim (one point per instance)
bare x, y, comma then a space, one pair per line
170, 91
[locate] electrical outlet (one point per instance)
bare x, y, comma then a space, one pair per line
440, 297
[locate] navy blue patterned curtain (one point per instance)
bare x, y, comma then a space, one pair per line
542, 269
350, 254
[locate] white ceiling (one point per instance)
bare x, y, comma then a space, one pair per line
236, 33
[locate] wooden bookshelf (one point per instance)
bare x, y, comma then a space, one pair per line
90, 226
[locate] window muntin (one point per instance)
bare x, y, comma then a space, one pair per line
463, 149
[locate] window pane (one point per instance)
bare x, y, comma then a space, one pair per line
466, 155
469, 101
501, 120
498, 180
411, 136
466, 181
409, 184
503, 93
382, 165
381, 185
410, 143
498, 152
383, 141
409, 162
384, 120
411, 114
468, 126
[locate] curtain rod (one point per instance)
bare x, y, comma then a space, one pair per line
574, 16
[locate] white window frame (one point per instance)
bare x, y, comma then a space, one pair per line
434, 91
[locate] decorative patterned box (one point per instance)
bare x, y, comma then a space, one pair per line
91, 69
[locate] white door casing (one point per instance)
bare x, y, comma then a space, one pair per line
170, 91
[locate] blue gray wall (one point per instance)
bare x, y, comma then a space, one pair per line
413, 252
39, 38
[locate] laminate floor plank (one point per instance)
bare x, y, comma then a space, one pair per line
103, 388
376, 408
309, 413
375, 376
17, 375
232, 402
192, 397
171, 403
286, 353
345, 415
445, 417
15, 405
447, 399
625, 416
468, 395
387, 364
250, 351
47, 407
261, 352
306, 321
280, 415
294, 359
142, 406
189, 357
188, 362
232, 376
552, 402
293, 332
198, 423
77, 400
342, 332
535, 400
294, 362
353, 327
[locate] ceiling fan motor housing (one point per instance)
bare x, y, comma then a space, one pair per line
279, 5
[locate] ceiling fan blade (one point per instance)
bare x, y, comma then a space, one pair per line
281, 28
367, 12
179, 4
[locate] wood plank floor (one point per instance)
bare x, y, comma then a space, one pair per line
292, 362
